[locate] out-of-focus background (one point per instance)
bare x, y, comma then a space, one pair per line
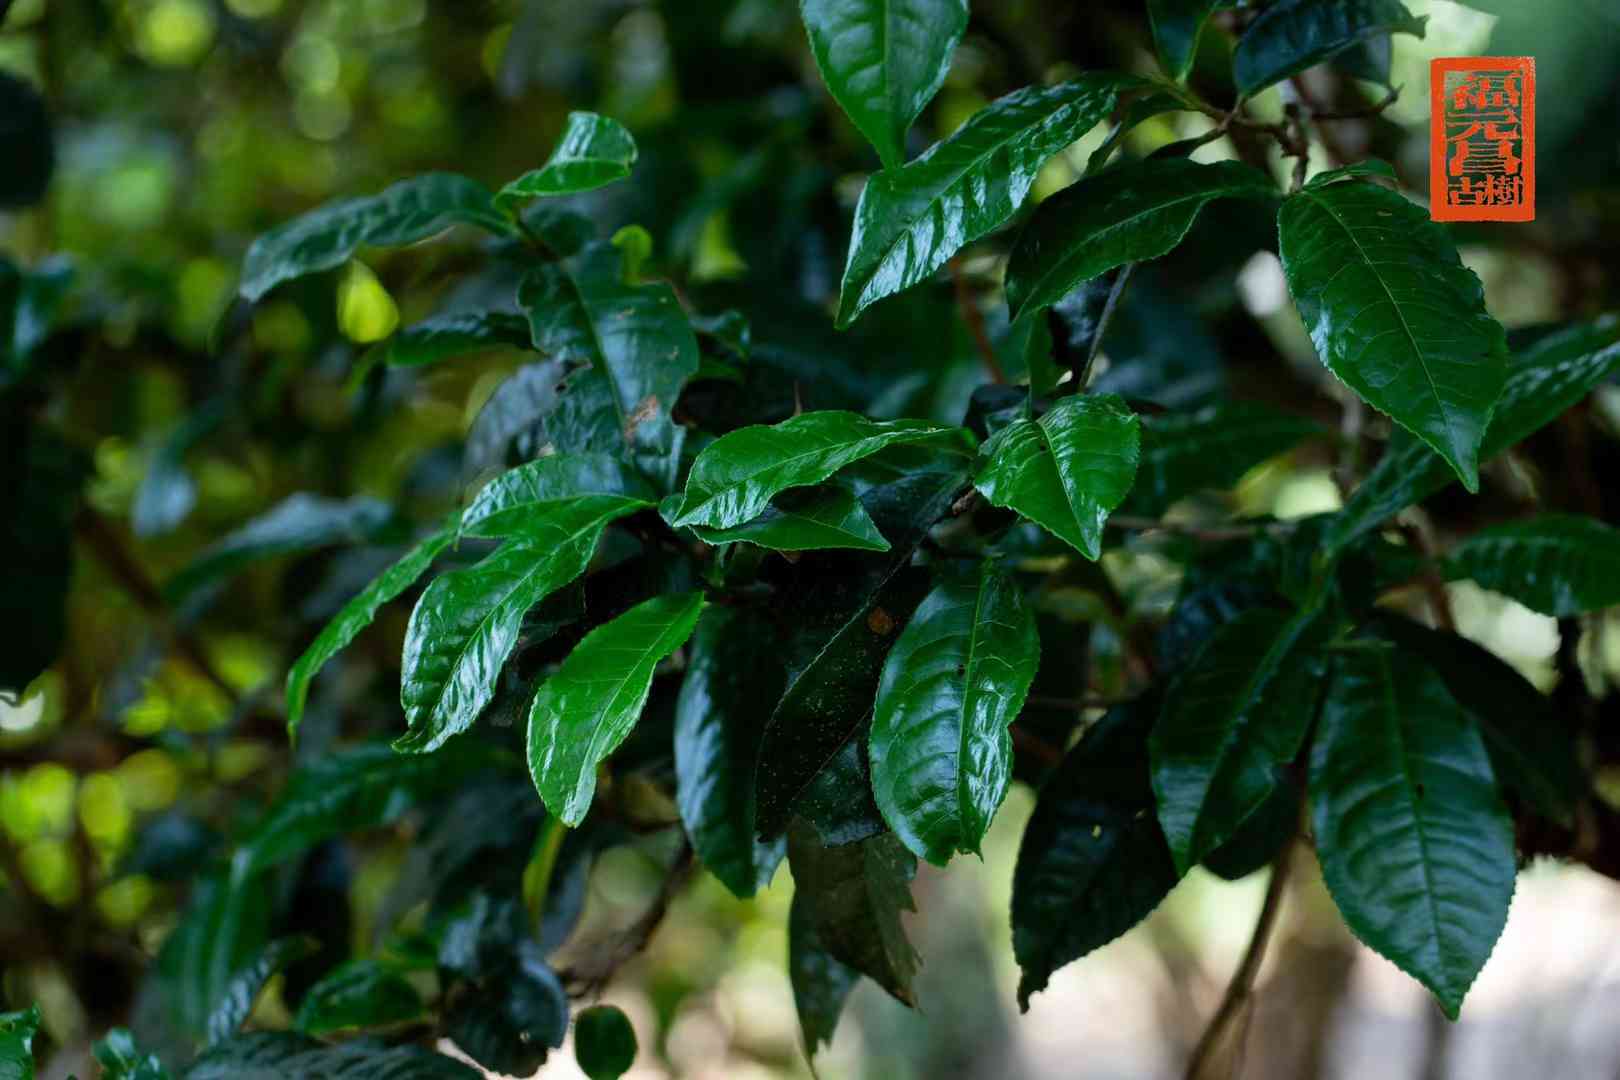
184, 127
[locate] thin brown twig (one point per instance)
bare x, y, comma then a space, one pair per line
592, 979
1083, 376
974, 318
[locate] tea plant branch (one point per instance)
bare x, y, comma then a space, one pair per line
592, 978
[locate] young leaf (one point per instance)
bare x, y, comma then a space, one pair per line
328, 236
1395, 314
592, 152
356, 995
446, 336
733, 668
884, 60
466, 623
355, 616
853, 896
1531, 749
1543, 381
1211, 447
1557, 564
1415, 845
1066, 471
1292, 35
604, 1042
634, 337
910, 220
297, 523
1093, 862
1177, 25
940, 750
821, 982
1231, 723
236, 1003
734, 478
1128, 213
586, 708
808, 519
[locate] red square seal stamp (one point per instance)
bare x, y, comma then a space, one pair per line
1482, 138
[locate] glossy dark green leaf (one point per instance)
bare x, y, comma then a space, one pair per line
803, 519
511, 503
838, 800
1415, 845
604, 1042
27, 143
467, 621
593, 151
356, 995
236, 1003
586, 708
121, 1059
1093, 862
513, 1018
1136, 211
941, 753
284, 1055
884, 60
1395, 314
1550, 376
297, 523
1557, 564
1066, 471
359, 787
1255, 843
328, 236
634, 339
355, 616
1292, 35
910, 220
821, 982
1211, 447
17, 1031
1177, 25
853, 895
446, 336
735, 477
1532, 750
1231, 723
1371, 167
732, 674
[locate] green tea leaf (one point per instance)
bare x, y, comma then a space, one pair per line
356, 995
593, 151
1177, 25
285, 1055
236, 1004
910, 220
604, 1042
1093, 862
1395, 314
328, 236
1066, 471
17, 1031
821, 982
445, 336
1415, 845
1292, 35
511, 503
941, 753
884, 60
854, 895
1557, 564
121, 1059
586, 708
734, 478
1211, 447
808, 519
1136, 211
513, 1017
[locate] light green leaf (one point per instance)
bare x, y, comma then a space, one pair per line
807, 519
356, 995
1293, 35
327, 237
884, 60
586, 709
355, 616
1552, 375
940, 749
445, 336
1066, 471
467, 621
592, 152
1230, 724
1395, 314
236, 1003
634, 338
910, 220
1415, 845
734, 478
1557, 564
1177, 25
853, 895
1139, 210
